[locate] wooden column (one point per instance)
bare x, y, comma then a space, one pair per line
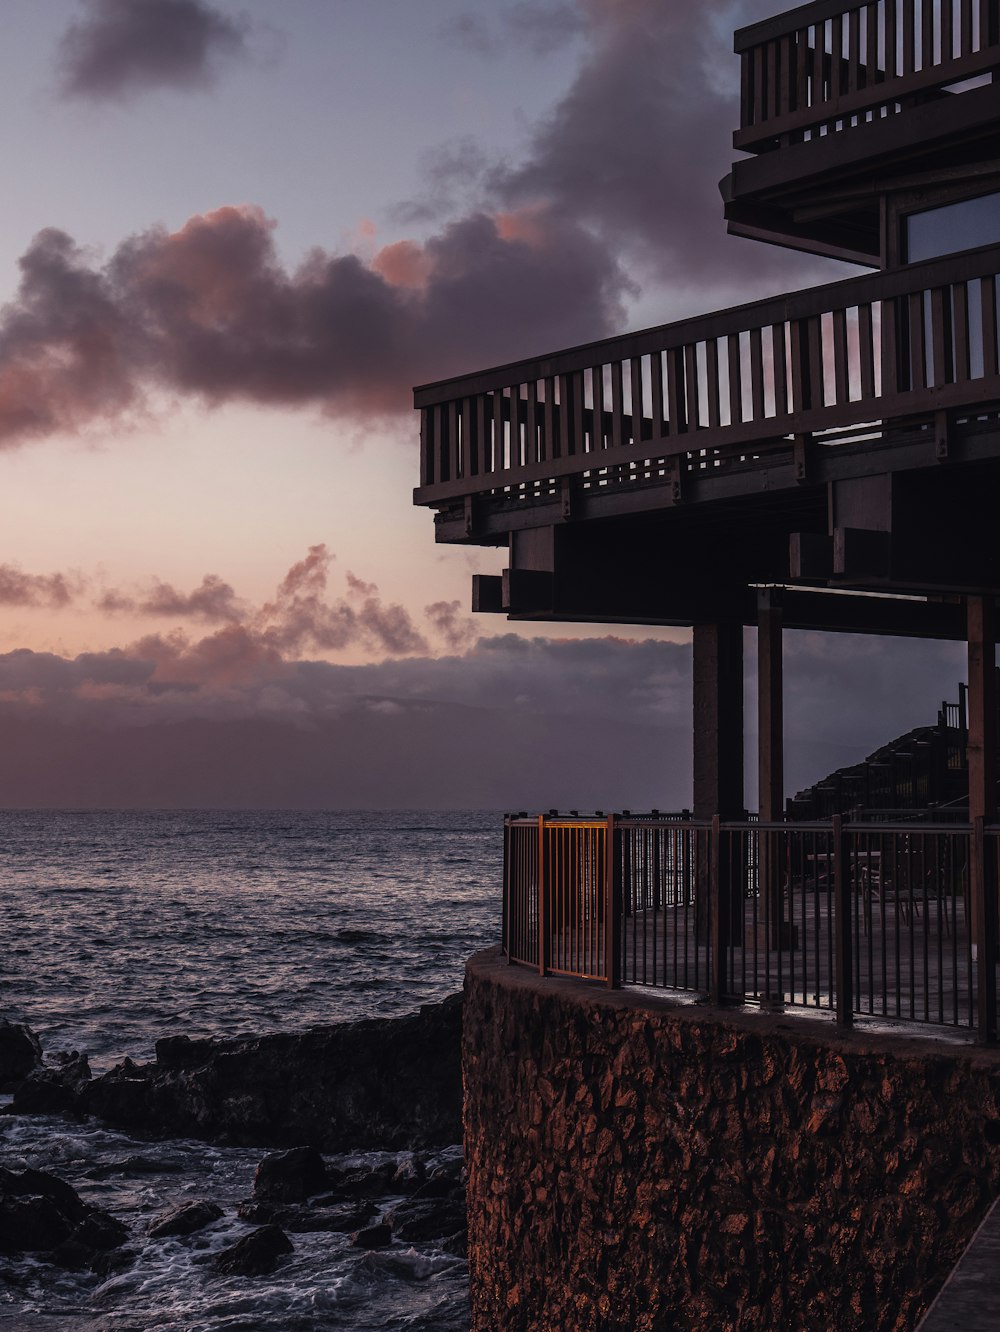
718, 720
981, 749
770, 707
718, 774
770, 765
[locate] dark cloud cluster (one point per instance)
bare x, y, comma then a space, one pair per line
120, 48
209, 311
620, 180
637, 147
53, 591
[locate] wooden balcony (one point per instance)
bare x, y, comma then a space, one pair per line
842, 102
829, 66
881, 373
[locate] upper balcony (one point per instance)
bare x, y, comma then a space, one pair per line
732, 430
847, 107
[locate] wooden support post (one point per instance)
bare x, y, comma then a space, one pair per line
543, 914
842, 922
718, 745
718, 720
770, 756
613, 906
505, 922
981, 749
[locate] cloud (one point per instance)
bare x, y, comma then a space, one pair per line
213, 600
637, 146
526, 723
209, 311
52, 591
536, 28
121, 48
458, 631
618, 184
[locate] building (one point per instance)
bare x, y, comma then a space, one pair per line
772, 465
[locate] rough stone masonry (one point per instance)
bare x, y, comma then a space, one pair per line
638, 1166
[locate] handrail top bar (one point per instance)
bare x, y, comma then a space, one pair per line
893, 827
679, 332
791, 20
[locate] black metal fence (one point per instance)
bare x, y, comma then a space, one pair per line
878, 920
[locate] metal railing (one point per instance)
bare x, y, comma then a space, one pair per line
827, 66
870, 920
737, 388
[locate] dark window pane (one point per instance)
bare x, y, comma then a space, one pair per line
958, 226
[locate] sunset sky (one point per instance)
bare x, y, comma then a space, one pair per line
235, 234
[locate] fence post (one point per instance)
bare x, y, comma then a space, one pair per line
613, 905
505, 918
543, 915
718, 912
842, 922
984, 883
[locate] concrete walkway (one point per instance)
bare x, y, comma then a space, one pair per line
969, 1301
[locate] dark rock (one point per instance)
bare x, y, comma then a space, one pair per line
308, 1220
53, 1090
182, 1051
255, 1254
379, 1083
413, 1222
42, 1214
290, 1176
443, 1186
114, 1260
457, 1245
353, 1183
257, 1213
373, 1237
183, 1220
31, 1225
99, 1230
20, 1054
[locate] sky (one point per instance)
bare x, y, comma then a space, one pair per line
235, 234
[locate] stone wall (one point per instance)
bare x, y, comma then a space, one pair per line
637, 1164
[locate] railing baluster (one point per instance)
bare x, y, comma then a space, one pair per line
549, 444
635, 370
617, 405
675, 390
735, 379
757, 374
840, 369
691, 386
965, 30
656, 394
988, 296
597, 394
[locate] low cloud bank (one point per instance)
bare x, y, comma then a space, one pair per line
522, 723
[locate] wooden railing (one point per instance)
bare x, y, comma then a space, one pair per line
727, 386
830, 65
872, 920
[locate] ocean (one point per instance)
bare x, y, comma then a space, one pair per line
120, 927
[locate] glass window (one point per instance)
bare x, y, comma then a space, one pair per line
957, 226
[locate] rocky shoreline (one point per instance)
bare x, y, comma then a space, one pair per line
384, 1085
